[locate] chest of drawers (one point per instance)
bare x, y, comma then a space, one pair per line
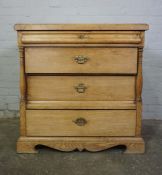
80, 86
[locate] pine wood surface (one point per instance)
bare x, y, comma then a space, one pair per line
64, 88
81, 105
134, 145
74, 27
97, 60
95, 97
74, 37
98, 122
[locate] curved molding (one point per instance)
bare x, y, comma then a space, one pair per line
67, 147
82, 37
28, 144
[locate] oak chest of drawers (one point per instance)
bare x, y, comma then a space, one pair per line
80, 86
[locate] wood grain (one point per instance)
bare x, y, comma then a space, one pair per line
22, 93
99, 122
67, 106
82, 37
63, 88
81, 105
134, 145
139, 83
62, 60
100, 27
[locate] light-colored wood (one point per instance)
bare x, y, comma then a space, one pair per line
82, 37
139, 82
134, 145
22, 93
81, 105
85, 45
63, 88
75, 27
62, 60
105, 110
98, 122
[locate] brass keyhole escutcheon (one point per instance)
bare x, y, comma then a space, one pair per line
82, 36
80, 121
80, 59
80, 88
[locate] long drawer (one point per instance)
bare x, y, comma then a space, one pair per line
80, 122
81, 60
81, 88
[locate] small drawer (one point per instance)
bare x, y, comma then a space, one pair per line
81, 60
81, 88
80, 122
82, 37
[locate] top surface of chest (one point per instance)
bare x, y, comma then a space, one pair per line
95, 34
87, 27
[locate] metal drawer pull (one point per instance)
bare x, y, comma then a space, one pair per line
80, 121
80, 88
80, 59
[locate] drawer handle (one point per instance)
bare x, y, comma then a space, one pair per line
80, 59
80, 88
80, 121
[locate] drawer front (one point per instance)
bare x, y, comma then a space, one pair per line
75, 88
81, 60
80, 122
114, 37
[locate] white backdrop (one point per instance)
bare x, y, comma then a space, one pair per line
81, 11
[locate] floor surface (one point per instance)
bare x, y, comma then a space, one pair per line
52, 162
